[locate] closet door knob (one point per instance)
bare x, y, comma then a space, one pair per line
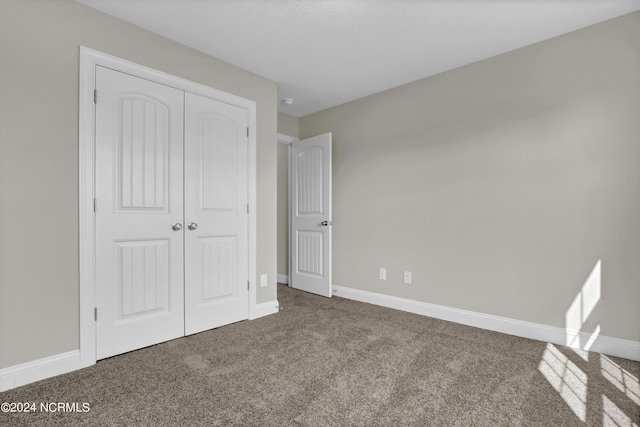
192, 226
177, 226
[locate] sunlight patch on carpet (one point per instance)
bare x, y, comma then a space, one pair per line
612, 416
584, 355
622, 379
566, 378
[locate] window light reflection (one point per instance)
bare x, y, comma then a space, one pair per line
622, 379
612, 416
566, 378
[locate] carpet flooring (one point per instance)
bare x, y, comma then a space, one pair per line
336, 362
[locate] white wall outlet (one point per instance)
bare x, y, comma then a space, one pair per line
383, 274
407, 277
263, 280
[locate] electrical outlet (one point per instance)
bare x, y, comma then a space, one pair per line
383, 274
263, 280
407, 277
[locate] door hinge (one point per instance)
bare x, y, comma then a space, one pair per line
247, 132
247, 208
95, 314
95, 205
95, 96
248, 285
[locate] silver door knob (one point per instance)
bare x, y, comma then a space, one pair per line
192, 226
326, 223
176, 226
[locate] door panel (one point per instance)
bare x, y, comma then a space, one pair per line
310, 181
139, 181
143, 277
216, 143
216, 197
219, 266
311, 215
141, 154
310, 253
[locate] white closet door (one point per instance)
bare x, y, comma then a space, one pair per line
139, 192
216, 218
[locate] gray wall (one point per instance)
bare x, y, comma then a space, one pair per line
39, 51
288, 125
501, 184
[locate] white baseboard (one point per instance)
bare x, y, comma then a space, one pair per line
40, 369
264, 309
52, 366
25, 373
555, 335
283, 278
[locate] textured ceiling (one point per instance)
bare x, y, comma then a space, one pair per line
323, 53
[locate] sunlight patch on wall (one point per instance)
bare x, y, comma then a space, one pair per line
622, 379
566, 378
582, 307
612, 416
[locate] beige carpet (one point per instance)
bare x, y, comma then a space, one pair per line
335, 362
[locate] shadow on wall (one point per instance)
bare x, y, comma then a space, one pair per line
569, 375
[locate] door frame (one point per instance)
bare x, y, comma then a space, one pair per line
89, 59
288, 140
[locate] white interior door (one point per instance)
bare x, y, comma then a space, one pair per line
216, 214
310, 193
139, 191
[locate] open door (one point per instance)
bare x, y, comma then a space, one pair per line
310, 198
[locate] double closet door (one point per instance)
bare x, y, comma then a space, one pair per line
171, 213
